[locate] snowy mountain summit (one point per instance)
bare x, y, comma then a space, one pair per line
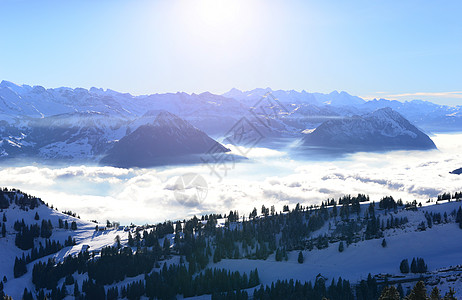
383, 129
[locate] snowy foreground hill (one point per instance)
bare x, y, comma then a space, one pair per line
367, 244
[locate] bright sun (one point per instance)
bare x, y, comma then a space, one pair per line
222, 31
217, 12
214, 16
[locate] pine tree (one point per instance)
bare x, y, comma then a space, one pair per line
400, 290
166, 246
419, 292
130, 240
36, 217
19, 268
435, 294
414, 266
384, 243
117, 241
404, 266
389, 293
278, 255
4, 217
41, 295
300, 257
341, 247
3, 230
69, 280
27, 295
450, 295
76, 290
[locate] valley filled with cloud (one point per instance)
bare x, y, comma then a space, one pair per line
268, 177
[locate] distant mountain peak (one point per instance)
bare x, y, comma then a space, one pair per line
6, 83
383, 129
234, 90
387, 112
12, 86
169, 120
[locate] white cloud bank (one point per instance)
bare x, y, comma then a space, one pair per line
270, 178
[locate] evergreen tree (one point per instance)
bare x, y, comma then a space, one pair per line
384, 243
300, 257
419, 292
27, 295
19, 268
46, 229
166, 247
450, 295
3, 230
36, 217
73, 225
76, 290
435, 294
341, 247
117, 241
404, 266
41, 295
278, 255
389, 293
400, 290
130, 240
69, 280
421, 266
4, 217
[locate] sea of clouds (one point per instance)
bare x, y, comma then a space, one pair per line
269, 177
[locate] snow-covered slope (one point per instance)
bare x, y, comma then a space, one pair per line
439, 245
437, 242
85, 234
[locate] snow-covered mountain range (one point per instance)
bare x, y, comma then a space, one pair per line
83, 125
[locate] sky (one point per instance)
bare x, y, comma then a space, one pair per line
391, 49
270, 177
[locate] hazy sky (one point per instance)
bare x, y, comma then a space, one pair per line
395, 49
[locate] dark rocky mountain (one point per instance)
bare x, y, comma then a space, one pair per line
383, 129
168, 140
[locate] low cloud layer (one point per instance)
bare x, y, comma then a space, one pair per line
269, 177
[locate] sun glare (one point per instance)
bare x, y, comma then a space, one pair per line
215, 17
217, 12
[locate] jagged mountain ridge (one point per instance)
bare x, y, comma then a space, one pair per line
80, 124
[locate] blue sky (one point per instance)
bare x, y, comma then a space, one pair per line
394, 49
